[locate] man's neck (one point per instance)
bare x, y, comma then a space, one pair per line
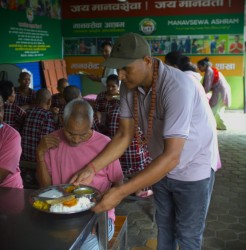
148, 82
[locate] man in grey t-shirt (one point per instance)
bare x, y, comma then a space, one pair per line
181, 137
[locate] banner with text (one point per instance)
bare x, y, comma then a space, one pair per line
228, 65
110, 8
164, 25
167, 25
25, 37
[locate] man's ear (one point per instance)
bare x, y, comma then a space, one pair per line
148, 59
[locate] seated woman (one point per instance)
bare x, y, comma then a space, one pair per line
25, 96
10, 151
13, 114
105, 102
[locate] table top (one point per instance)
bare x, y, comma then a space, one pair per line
23, 227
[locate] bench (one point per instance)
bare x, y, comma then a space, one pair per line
28, 174
119, 240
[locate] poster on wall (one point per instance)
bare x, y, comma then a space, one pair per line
26, 37
197, 28
46, 8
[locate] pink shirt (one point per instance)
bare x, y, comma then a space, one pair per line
221, 87
64, 161
10, 151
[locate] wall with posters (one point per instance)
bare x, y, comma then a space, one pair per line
30, 32
27, 38
198, 28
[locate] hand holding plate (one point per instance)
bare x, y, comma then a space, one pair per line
109, 200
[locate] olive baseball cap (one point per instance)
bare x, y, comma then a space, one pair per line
128, 48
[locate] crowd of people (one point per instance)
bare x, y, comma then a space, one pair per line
151, 132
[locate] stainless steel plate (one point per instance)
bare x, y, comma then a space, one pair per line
54, 193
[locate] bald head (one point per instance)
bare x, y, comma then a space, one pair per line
71, 92
43, 97
79, 110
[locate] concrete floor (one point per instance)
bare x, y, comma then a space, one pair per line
226, 220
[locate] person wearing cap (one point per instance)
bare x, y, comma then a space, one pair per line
181, 139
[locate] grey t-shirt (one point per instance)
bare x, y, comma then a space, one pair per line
181, 111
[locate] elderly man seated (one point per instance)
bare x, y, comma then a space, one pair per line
10, 151
64, 152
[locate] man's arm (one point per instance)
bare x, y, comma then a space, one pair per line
112, 152
153, 173
207, 81
42, 173
10, 153
232, 47
3, 174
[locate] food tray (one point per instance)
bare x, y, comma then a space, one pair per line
46, 197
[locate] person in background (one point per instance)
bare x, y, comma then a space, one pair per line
13, 114
215, 82
70, 93
82, 47
196, 47
213, 45
10, 152
221, 47
181, 46
62, 153
105, 102
106, 47
182, 62
57, 99
181, 139
174, 45
171, 58
187, 45
136, 157
107, 108
39, 122
236, 47
25, 96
